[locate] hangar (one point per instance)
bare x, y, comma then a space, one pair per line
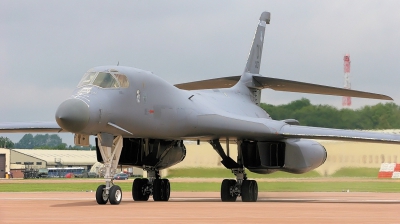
19, 160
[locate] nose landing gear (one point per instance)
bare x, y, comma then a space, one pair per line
110, 149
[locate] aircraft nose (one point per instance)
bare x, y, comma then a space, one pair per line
73, 115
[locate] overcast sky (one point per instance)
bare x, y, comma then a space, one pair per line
46, 46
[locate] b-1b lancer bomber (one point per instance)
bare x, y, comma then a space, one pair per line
141, 120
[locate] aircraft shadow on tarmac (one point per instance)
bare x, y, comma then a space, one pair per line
331, 201
76, 204
260, 200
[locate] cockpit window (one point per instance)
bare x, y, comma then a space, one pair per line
105, 80
123, 81
112, 79
88, 78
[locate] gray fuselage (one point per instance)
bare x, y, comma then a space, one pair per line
153, 108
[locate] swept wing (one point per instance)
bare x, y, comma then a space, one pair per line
30, 127
293, 131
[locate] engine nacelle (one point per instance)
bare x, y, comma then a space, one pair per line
303, 156
293, 156
159, 154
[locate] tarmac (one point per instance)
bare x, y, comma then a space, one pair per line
204, 207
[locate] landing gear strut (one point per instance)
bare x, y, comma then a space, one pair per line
142, 188
230, 188
110, 149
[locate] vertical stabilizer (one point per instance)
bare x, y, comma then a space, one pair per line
254, 60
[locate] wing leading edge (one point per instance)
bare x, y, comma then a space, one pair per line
30, 127
293, 131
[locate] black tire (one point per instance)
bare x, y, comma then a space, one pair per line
226, 186
101, 196
137, 190
246, 191
167, 189
115, 195
158, 192
255, 191
249, 191
161, 190
233, 183
145, 196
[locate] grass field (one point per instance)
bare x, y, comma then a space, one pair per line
352, 179
224, 173
356, 172
359, 186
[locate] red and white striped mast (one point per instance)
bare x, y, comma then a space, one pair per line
346, 100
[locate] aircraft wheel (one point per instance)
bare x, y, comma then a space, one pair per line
145, 196
158, 186
115, 195
136, 189
255, 190
249, 191
101, 196
138, 193
167, 189
161, 190
226, 187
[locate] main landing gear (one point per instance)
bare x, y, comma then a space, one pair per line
142, 188
110, 149
230, 188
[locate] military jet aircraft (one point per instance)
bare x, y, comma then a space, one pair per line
141, 120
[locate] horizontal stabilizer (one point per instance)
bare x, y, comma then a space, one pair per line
30, 127
302, 87
261, 82
218, 83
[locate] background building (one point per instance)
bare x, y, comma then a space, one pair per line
20, 160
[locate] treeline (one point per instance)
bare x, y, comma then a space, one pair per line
46, 141
380, 116
6, 143
29, 141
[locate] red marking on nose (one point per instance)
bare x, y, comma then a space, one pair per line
151, 111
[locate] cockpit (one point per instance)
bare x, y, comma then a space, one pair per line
107, 79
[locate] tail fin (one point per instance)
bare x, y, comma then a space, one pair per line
254, 60
253, 82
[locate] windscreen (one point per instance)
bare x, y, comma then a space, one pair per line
123, 81
88, 78
105, 80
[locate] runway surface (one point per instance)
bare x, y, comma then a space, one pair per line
187, 207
